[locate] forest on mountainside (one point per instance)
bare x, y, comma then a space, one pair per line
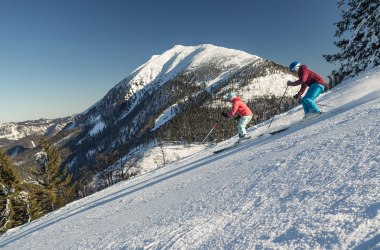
193, 125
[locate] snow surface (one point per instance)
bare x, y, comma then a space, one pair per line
313, 186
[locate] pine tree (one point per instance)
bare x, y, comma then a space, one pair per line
13, 200
359, 31
53, 189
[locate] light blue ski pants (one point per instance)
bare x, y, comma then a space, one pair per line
308, 100
243, 121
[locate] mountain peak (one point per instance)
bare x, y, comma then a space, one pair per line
209, 66
182, 58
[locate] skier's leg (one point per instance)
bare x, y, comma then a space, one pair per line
243, 124
305, 106
312, 93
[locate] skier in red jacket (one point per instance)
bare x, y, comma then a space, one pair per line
316, 84
244, 115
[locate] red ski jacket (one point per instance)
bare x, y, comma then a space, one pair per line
239, 107
307, 78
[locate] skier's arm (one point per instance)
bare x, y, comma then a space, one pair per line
234, 109
302, 90
304, 74
296, 83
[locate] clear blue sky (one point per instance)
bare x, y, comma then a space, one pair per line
57, 58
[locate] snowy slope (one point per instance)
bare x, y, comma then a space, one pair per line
313, 186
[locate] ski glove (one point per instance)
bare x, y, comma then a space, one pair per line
296, 96
289, 82
224, 114
237, 117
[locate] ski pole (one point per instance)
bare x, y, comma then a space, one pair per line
213, 127
279, 105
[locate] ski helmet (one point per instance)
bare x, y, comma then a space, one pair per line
294, 66
230, 95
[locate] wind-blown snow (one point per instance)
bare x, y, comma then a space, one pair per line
313, 186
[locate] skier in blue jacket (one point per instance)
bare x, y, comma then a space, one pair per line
316, 84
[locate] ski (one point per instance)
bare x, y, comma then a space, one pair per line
278, 131
243, 142
231, 146
226, 148
311, 116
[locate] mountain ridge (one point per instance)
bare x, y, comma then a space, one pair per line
184, 80
162, 68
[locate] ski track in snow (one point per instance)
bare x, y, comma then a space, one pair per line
313, 186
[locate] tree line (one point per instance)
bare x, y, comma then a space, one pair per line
22, 201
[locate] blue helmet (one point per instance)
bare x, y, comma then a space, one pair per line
230, 95
294, 66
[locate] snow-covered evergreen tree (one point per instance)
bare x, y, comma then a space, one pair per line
13, 200
52, 190
41, 161
359, 31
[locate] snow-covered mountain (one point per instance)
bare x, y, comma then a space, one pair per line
207, 66
16, 136
139, 110
313, 186
19, 130
168, 83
